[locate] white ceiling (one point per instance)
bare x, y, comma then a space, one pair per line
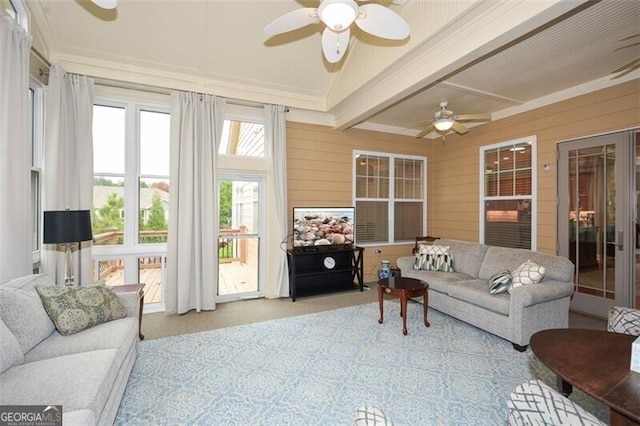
499, 57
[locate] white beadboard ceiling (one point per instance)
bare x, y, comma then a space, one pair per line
498, 57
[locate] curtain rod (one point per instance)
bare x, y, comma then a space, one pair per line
117, 84
163, 90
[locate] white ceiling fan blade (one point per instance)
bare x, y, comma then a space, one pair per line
459, 128
334, 45
425, 132
472, 117
628, 65
292, 21
382, 22
628, 70
106, 4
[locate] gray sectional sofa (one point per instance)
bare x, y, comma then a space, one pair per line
515, 315
85, 372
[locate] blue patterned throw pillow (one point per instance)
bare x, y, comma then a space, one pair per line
500, 282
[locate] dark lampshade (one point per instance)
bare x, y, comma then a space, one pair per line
67, 226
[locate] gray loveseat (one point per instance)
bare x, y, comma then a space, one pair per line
515, 316
85, 372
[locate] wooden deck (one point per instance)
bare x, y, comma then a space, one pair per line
235, 277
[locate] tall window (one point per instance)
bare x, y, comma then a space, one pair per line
508, 202
390, 197
131, 192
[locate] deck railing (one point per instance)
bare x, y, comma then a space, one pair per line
230, 249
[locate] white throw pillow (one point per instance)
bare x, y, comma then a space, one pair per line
370, 415
433, 249
527, 273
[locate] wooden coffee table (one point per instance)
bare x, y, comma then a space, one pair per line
404, 288
598, 363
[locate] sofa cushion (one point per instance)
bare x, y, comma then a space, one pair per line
10, 352
500, 282
118, 334
22, 311
438, 281
73, 309
475, 292
557, 268
527, 273
80, 381
467, 257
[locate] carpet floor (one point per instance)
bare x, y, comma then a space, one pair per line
316, 369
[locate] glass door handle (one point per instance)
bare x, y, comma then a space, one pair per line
619, 244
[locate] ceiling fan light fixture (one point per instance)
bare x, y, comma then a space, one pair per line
338, 15
443, 124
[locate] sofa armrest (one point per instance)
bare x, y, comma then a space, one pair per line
131, 302
405, 263
532, 294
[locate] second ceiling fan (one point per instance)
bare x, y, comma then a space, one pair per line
338, 15
444, 120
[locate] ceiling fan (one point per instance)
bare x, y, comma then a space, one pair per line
444, 120
338, 15
105, 4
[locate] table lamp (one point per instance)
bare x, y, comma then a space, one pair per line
67, 227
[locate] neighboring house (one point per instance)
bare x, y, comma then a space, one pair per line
102, 193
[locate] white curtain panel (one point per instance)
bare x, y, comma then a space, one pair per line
15, 152
192, 252
68, 163
276, 141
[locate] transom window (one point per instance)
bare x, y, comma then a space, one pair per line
242, 138
508, 201
390, 197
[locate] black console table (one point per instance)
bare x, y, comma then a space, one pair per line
324, 269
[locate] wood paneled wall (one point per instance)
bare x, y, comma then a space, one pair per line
454, 172
320, 171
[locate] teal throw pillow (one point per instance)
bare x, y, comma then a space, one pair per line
500, 282
73, 309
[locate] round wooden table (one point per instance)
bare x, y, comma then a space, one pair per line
404, 288
596, 361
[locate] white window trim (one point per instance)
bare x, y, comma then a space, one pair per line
392, 157
37, 139
22, 13
534, 186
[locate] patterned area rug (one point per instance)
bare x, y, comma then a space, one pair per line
318, 368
